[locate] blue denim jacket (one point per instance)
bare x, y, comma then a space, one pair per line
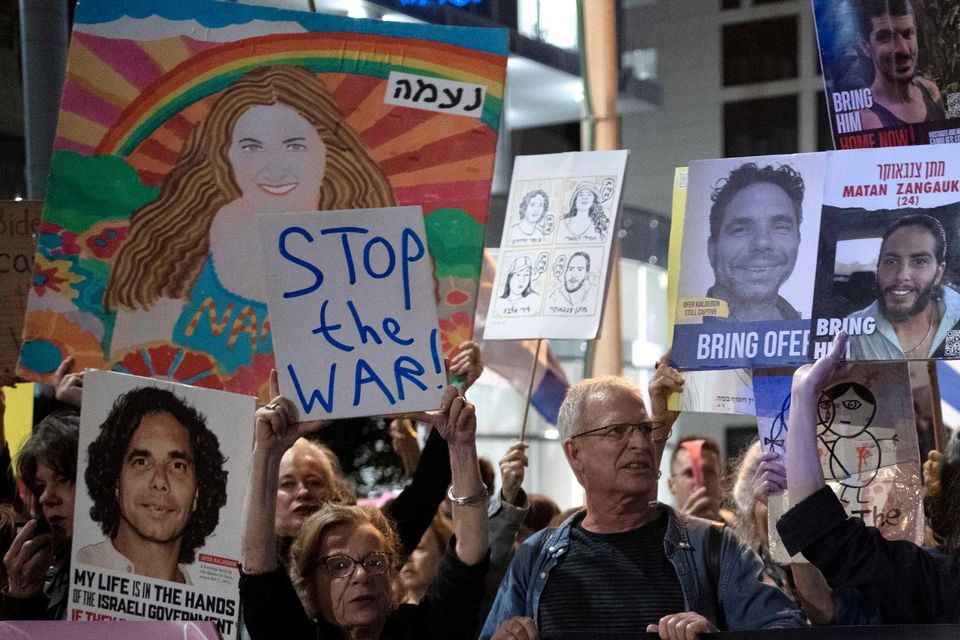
747, 602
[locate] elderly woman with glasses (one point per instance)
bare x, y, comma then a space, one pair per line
345, 557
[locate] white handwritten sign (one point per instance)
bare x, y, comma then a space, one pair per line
353, 313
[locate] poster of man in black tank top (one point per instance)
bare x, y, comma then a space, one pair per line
886, 83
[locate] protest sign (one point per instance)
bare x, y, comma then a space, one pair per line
889, 71
107, 630
867, 442
554, 260
354, 314
182, 120
19, 225
749, 247
898, 305
161, 481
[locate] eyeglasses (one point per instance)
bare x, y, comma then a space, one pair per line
341, 566
654, 431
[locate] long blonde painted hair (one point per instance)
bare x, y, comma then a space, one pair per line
169, 237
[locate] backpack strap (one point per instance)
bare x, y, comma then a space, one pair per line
714, 544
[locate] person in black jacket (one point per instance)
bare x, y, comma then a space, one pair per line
344, 557
908, 584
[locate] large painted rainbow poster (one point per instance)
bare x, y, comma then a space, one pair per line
182, 120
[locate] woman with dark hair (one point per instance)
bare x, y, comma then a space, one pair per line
586, 214
38, 561
345, 557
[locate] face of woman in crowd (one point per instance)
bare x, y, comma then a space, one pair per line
278, 159
359, 600
56, 494
422, 565
305, 484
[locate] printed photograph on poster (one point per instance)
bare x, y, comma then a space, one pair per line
535, 218
756, 221
890, 71
867, 439
554, 259
354, 308
182, 120
161, 484
888, 266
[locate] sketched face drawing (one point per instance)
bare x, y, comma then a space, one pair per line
535, 208
277, 158
575, 275
584, 199
519, 281
846, 410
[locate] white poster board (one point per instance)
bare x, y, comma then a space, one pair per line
554, 261
351, 296
153, 493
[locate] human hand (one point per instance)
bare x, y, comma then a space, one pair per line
518, 628
682, 626
278, 424
701, 505
665, 381
27, 561
512, 470
932, 469
770, 477
405, 445
457, 420
69, 386
466, 363
810, 379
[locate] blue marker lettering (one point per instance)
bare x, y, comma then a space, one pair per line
411, 373
435, 350
363, 329
392, 328
360, 379
317, 274
315, 396
327, 329
347, 255
391, 258
407, 237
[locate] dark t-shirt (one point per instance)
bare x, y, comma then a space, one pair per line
610, 584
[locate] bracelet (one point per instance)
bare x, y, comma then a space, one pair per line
468, 501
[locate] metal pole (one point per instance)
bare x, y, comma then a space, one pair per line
44, 34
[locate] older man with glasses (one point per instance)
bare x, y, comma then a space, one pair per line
626, 563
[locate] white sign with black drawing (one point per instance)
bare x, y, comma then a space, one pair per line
554, 260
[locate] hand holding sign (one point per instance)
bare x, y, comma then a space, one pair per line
278, 422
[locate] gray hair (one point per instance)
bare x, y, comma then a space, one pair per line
571, 411
743, 498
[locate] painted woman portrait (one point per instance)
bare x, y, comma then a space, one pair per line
274, 141
586, 216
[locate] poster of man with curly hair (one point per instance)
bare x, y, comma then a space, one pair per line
182, 121
160, 487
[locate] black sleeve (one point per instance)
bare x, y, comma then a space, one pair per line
449, 609
416, 505
850, 554
8, 487
270, 603
24, 608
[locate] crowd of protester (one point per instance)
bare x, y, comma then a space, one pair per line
457, 554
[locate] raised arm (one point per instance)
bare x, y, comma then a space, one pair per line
276, 429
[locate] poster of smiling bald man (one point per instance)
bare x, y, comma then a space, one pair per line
747, 256
160, 487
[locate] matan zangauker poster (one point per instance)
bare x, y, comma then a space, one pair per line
182, 120
889, 71
161, 480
